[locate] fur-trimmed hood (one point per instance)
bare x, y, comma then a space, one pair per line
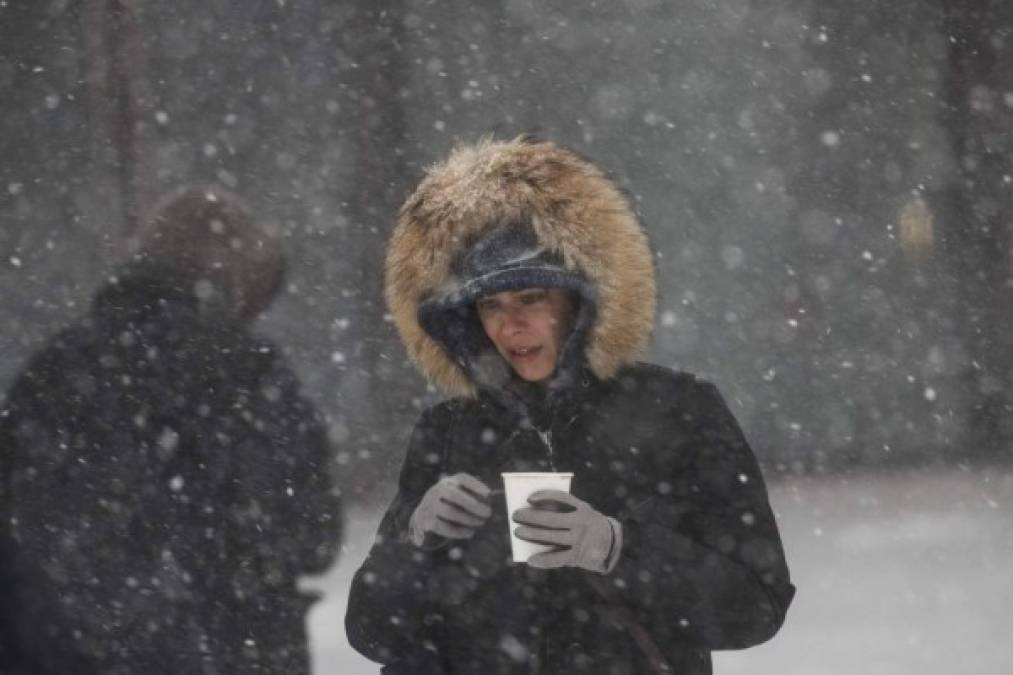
576, 212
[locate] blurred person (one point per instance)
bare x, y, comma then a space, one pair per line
522, 284
164, 483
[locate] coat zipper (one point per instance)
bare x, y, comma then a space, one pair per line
546, 437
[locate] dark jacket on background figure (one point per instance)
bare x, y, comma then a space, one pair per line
701, 565
163, 485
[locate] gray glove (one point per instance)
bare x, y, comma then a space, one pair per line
588, 539
453, 508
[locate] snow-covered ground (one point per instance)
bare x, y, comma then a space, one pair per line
897, 574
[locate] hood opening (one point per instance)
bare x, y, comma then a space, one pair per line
508, 258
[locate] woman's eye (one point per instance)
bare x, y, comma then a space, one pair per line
532, 298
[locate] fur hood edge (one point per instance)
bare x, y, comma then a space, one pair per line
576, 211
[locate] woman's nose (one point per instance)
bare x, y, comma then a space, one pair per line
514, 321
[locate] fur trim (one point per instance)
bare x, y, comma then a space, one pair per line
575, 210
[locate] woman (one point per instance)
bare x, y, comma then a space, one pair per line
521, 283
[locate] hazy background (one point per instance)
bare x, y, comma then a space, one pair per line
827, 186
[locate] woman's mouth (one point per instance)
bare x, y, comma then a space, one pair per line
524, 354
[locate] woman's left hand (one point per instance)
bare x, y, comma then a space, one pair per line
587, 538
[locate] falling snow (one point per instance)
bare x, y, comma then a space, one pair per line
824, 253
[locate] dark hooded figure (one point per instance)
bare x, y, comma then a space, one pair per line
522, 284
164, 483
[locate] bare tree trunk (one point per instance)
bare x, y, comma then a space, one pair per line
126, 57
977, 207
114, 57
381, 406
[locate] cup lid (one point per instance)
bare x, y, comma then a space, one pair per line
537, 474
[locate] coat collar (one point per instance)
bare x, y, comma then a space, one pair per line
532, 406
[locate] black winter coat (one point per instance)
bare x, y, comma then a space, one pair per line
701, 568
163, 485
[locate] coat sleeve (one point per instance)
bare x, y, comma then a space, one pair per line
392, 617
705, 559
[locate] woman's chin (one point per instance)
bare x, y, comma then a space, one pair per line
532, 374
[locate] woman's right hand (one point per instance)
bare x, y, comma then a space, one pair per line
453, 508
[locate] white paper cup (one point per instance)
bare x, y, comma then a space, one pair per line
517, 488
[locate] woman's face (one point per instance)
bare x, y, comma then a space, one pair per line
528, 328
